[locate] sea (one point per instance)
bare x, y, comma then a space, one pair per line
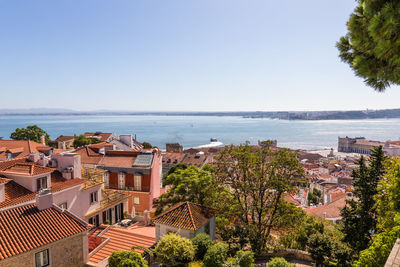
196, 131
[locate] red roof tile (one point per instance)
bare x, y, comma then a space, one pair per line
25, 147
186, 215
24, 228
119, 239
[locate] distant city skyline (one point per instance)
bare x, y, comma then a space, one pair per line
175, 55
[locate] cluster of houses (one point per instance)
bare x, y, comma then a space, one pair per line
74, 207
65, 206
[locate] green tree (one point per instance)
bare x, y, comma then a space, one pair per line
320, 248
216, 255
126, 259
378, 252
32, 132
372, 45
179, 166
202, 242
174, 250
147, 145
190, 184
359, 216
82, 140
388, 213
258, 179
314, 197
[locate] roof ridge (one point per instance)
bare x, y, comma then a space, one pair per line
174, 207
190, 214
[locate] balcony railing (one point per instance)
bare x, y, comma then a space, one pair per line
130, 188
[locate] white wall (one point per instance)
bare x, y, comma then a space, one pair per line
29, 182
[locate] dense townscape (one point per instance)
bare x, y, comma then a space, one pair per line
102, 199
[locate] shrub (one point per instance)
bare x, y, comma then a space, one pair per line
196, 264
201, 242
174, 250
216, 255
126, 259
378, 252
245, 258
279, 262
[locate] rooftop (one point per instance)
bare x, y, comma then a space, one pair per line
186, 215
117, 238
21, 147
24, 228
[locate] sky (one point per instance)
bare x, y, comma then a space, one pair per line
179, 55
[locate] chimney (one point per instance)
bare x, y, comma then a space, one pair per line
324, 214
146, 217
63, 145
43, 140
2, 193
34, 157
44, 199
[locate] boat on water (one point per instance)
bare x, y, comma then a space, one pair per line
213, 140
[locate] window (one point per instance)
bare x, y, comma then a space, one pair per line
121, 180
94, 220
42, 258
136, 200
63, 205
138, 182
93, 197
41, 183
106, 178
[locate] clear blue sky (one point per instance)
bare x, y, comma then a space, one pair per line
179, 55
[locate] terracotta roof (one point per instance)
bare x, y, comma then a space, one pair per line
16, 194
26, 168
196, 160
63, 138
330, 210
101, 136
25, 147
118, 239
186, 215
24, 228
88, 155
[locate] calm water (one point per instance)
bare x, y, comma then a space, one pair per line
192, 131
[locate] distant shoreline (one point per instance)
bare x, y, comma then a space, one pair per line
281, 115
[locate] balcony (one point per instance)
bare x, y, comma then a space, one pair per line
130, 188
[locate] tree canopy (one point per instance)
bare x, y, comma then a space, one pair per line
174, 250
372, 45
126, 259
82, 140
31, 132
359, 216
258, 178
190, 184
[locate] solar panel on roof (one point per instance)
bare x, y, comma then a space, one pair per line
143, 160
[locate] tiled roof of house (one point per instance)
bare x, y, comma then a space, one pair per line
23, 147
63, 138
25, 168
330, 210
26, 227
101, 136
16, 194
119, 239
186, 215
